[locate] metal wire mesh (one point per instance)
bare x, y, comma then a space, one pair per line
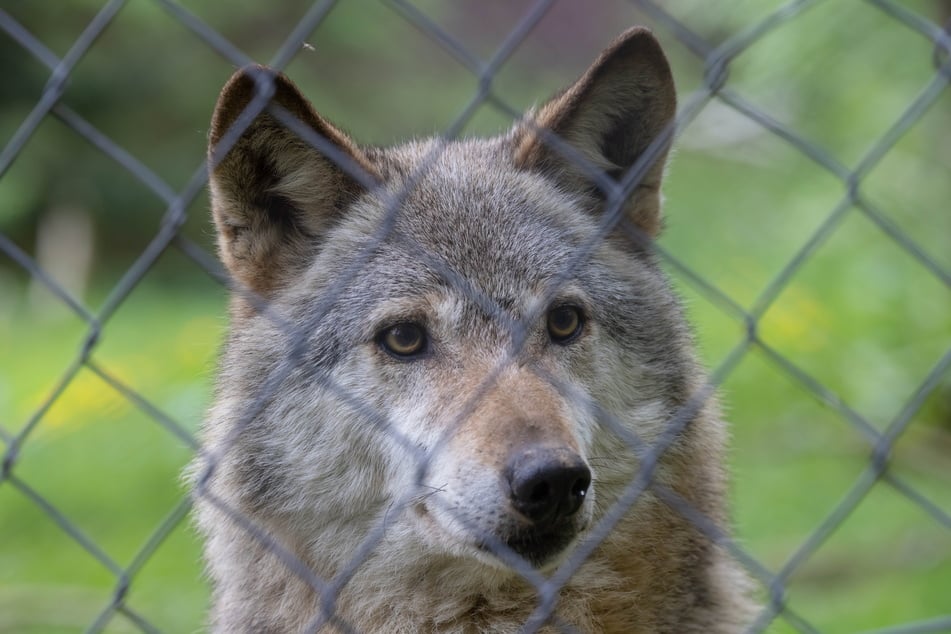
717, 61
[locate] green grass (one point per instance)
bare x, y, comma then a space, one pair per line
107, 466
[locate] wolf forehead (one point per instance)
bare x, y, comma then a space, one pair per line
496, 242
460, 211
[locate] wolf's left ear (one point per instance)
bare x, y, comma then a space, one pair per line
611, 115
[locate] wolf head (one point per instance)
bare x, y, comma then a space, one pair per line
458, 343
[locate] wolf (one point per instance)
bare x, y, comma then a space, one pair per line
458, 393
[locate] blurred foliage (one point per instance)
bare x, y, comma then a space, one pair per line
863, 316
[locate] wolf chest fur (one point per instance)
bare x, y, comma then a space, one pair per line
458, 394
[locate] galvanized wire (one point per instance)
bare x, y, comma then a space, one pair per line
716, 60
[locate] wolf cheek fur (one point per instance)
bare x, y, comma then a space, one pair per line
492, 335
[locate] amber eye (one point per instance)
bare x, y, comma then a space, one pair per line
403, 340
564, 323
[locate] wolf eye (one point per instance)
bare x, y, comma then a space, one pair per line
404, 340
564, 323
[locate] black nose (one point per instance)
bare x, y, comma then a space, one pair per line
548, 485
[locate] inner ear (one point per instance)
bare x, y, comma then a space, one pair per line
623, 105
280, 176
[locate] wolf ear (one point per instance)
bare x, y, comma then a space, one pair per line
272, 192
610, 116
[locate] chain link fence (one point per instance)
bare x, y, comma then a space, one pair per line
712, 102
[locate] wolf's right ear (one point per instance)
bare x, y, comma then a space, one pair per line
272, 192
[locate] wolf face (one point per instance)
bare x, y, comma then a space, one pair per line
450, 351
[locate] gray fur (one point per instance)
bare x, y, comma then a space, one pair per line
320, 437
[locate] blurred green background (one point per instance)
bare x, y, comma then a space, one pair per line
862, 316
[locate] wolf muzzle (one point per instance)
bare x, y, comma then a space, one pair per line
548, 484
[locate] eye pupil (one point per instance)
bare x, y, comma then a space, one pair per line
564, 323
403, 340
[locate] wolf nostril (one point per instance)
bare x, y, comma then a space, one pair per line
580, 488
548, 484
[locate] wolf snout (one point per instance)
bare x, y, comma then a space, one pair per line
548, 484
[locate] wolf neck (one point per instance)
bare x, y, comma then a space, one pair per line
611, 592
